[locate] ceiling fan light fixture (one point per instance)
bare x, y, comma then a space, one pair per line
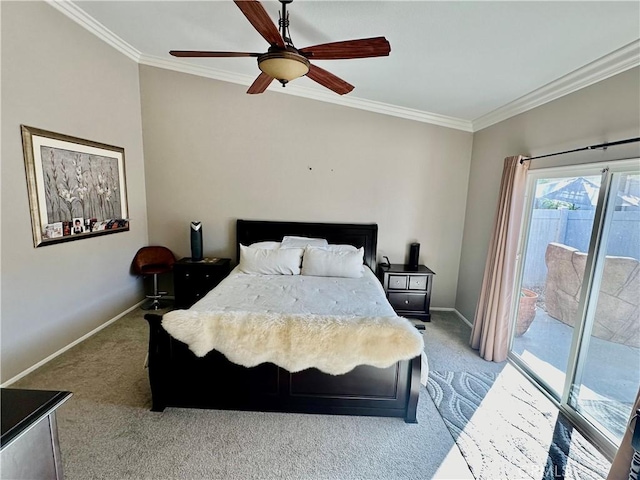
284, 66
284, 62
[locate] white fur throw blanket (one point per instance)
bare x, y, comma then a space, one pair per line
332, 344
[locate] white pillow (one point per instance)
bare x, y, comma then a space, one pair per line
341, 248
302, 242
263, 261
265, 245
324, 262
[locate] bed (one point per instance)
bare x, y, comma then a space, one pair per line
180, 378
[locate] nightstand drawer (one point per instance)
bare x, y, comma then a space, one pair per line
193, 280
397, 282
408, 301
203, 279
418, 282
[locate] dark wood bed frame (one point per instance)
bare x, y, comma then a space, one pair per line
180, 379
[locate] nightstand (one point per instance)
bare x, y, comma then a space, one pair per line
29, 445
193, 280
408, 290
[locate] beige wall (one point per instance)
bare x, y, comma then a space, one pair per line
58, 77
604, 112
215, 154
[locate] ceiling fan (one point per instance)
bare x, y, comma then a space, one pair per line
284, 62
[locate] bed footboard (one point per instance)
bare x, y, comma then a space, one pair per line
413, 390
159, 354
180, 379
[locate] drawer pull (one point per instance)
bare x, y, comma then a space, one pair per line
406, 302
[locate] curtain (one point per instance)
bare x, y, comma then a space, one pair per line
491, 324
622, 461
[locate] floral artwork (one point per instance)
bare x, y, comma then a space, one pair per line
76, 187
80, 185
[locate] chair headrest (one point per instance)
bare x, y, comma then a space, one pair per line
156, 256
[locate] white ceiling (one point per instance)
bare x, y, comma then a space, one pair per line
450, 61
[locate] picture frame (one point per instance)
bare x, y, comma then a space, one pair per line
77, 188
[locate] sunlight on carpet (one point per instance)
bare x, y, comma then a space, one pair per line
505, 428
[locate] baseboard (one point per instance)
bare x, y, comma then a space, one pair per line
71, 345
462, 317
447, 309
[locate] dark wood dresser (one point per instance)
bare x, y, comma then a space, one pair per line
29, 445
193, 280
408, 290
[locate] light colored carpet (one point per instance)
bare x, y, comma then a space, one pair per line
107, 431
534, 441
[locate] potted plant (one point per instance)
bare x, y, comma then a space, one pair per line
526, 310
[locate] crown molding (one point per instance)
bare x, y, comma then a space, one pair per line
612, 64
86, 21
310, 93
193, 69
616, 62
383, 108
78, 15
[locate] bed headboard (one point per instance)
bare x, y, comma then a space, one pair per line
356, 234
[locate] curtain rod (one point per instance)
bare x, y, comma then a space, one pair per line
590, 147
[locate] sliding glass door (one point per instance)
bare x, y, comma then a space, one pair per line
576, 318
561, 214
607, 372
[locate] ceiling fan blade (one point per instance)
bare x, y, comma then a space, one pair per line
197, 53
259, 18
362, 48
260, 84
329, 80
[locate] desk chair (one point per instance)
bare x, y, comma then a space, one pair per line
154, 261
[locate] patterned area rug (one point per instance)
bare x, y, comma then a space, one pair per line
506, 429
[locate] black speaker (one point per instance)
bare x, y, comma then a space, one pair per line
196, 241
414, 255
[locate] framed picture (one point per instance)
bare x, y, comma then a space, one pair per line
77, 187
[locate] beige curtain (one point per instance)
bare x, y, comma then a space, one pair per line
490, 333
622, 461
